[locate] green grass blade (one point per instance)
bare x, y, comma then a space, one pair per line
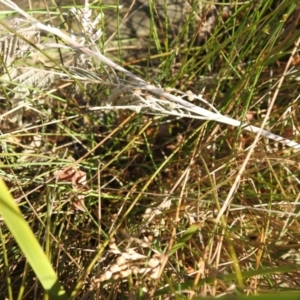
29, 244
186, 236
278, 296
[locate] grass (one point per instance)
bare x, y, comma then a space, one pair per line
135, 205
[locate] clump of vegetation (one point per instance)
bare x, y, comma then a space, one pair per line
156, 162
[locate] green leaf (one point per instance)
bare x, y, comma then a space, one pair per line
186, 236
29, 245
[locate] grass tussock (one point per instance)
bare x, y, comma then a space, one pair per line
130, 204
